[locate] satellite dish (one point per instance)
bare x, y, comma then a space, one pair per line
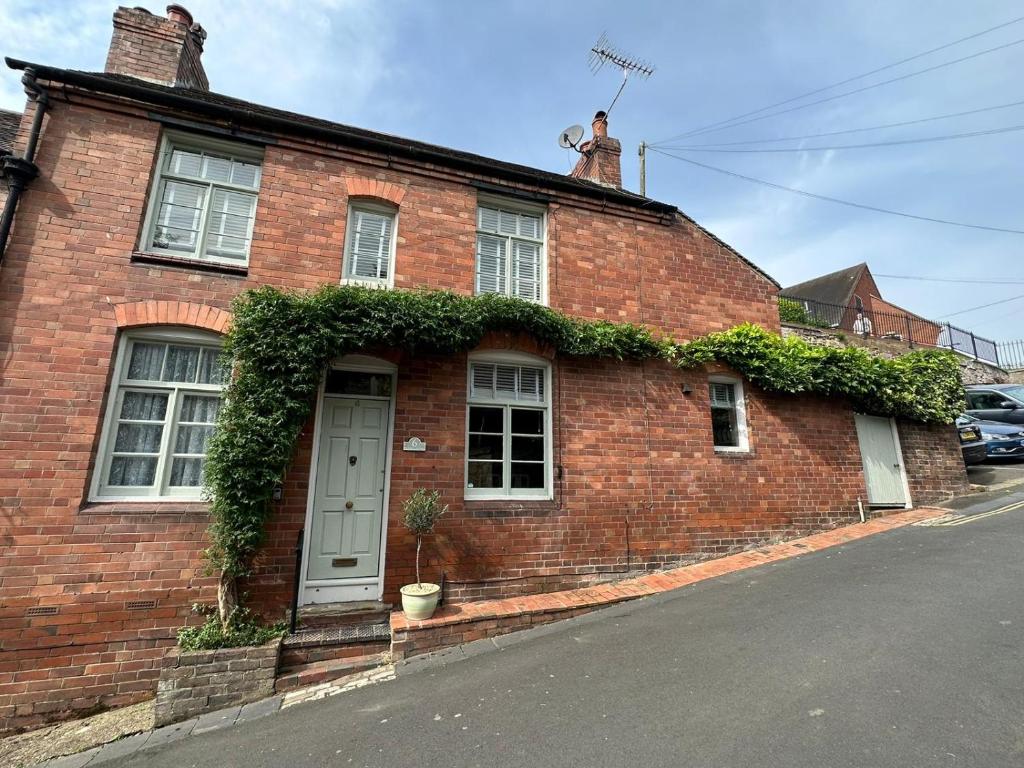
570, 137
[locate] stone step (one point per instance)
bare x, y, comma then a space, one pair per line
334, 643
338, 614
326, 671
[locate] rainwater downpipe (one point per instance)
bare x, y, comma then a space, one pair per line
21, 170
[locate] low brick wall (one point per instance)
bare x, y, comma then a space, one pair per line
195, 682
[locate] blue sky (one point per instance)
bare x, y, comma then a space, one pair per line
503, 79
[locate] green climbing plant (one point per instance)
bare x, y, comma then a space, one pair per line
280, 343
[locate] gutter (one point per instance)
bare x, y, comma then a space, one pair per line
19, 171
337, 133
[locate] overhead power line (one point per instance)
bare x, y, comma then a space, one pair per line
843, 94
982, 306
836, 200
854, 78
892, 143
864, 129
961, 281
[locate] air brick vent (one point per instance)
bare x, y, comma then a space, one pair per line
140, 605
42, 610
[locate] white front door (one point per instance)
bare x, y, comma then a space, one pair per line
344, 540
883, 461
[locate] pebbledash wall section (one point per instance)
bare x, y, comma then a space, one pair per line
93, 592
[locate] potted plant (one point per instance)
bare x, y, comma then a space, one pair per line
422, 511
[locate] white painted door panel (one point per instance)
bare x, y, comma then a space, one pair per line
883, 464
344, 540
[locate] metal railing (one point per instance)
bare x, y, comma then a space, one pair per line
1011, 353
893, 326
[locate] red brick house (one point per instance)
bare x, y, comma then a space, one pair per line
158, 201
838, 297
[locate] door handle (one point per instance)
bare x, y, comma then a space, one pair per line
348, 505
352, 461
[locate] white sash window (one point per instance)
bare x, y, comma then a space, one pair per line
508, 434
370, 245
510, 252
728, 414
162, 409
204, 201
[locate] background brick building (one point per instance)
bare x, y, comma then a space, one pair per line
96, 580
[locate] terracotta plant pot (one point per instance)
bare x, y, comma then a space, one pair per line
419, 601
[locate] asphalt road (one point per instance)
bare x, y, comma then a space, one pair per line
903, 649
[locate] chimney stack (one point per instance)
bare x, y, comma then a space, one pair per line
160, 50
600, 158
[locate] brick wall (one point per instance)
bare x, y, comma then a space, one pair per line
640, 487
935, 464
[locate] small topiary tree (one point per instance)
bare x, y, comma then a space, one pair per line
422, 511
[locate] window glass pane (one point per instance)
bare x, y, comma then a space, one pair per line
486, 420
132, 470
490, 264
484, 474
722, 395
138, 438
529, 226
182, 364
526, 270
358, 383
528, 448
527, 475
245, 174
723, 427
144, 406
179, 216
185, 163
192, 438
527, 422
485, 446
230, 216
487, 219
210, 369
186, 472
199, 409
216, 168
146, 362
506, 223
482, 383
370, 245
531, 383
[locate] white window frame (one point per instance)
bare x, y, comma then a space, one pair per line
160, 492
742, 430
369, 206
506, 493
513, 206
177, 140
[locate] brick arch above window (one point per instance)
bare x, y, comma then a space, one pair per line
180, 313
375, 188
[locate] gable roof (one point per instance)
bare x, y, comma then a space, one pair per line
833, 288
9, 122
247, 113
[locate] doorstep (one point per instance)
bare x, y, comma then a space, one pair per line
454, 625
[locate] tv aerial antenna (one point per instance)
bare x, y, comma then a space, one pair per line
603, 52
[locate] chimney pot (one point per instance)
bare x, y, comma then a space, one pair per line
600, 125
179, 14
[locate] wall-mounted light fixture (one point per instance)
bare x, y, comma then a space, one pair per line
687, 390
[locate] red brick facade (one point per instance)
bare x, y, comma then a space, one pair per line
638, 484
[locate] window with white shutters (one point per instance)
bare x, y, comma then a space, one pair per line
510, 252
204, 202
161, 414
508, 451
728, 415
369, 246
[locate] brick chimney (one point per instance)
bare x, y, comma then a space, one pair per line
165, 51
600, 158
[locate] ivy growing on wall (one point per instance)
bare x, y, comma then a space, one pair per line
280, 344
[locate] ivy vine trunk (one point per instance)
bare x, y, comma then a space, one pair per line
227, 597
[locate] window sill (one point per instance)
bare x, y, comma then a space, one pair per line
739, 452
380, 285
146, 507
138, 257
505, 507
